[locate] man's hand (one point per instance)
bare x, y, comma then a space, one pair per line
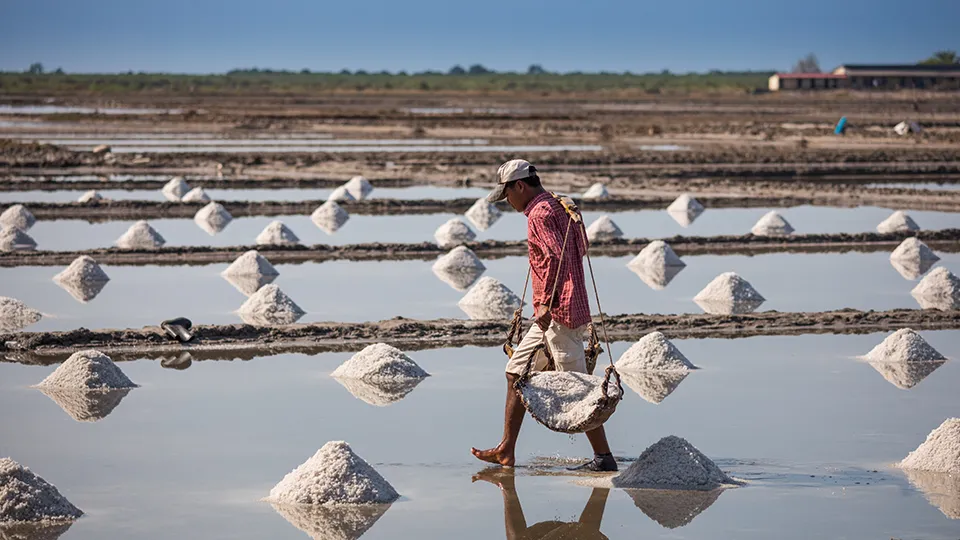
543, 318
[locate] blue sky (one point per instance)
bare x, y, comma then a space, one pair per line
208, 36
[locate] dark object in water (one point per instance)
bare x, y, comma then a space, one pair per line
178, 328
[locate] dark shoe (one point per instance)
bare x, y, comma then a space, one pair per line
604, 463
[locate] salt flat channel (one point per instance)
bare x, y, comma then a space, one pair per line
797, 417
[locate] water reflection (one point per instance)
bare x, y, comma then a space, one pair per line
941, 489
461, 279
942, 303
912, 269
728, 306
685, 218
906, 375
673, 508
379, 393
342, 522
34, 531
82, 291
248, 283
656, 277
86, 405
178, 362
515, 523
653, 386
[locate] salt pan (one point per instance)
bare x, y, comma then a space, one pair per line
175, 189
196, 194
939, 290
25, 497
329, 217
603, 229
268, 306
654, 352
17, 217
597, 191
90, 196
772, 224
88, 370
453, 233
483, 214
673, 463
341, 522
904, 345
565, 401
940, 452
83, 279
140, 235
653, 386
335, 475
359, 187
13, 239
380, 362
728, 293
15, 315
277, 234
489, 299
341, 194
898, 221
213, 218
86, 405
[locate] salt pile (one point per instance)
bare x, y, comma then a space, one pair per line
653, 386
603, 229
489, 299
453, 233
270, 305
596, 192
175, 189
196, 194
772, 224
83, 279
728, 293
380, 362
212, 218
17, 217
140, 235
88, 370
898, 221
359, 187
685, 203
329, 217
341, 522
565, 401
673, 463
249, 272
913, 249
341, 195
940, 453
15, 315
13, 239
904, 345
657, 264
25, 497
459, 268
90, 196
483, 214
939, 290
277, 234
654, 352
86, 405
335, 475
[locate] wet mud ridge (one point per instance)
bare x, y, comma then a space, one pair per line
229, 341
947, 240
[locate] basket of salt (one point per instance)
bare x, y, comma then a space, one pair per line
570, 402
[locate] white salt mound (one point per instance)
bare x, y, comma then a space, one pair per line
603, 229
341, 194
898, 221
251, 263
940, 452
17, 217
728, 293
672, 463
453, 233
657, 254
459, 258
270, 305
772, 224
564, 400
596, 191
175, 189
25, 497
483, 214
654, 352
913, 249
277, 234
359, 187
212, 218
380, 362
83, 269
13, 239
15, 315
904, 345
329, 217
196, 194
90, 196
685, 203
489, 299
335, 475
89, 370
940, 289
140, 235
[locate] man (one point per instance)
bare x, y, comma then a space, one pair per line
561, 306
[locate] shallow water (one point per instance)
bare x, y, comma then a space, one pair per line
190, 453
60, 109
933, 186
357, 291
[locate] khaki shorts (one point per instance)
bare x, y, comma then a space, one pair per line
566, 346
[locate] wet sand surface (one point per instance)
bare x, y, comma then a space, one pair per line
178, 458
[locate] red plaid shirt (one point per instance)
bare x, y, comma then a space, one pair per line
546, 225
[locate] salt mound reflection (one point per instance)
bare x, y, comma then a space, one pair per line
673, 508
86, 405
341, 522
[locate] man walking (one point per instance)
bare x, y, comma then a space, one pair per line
561, 306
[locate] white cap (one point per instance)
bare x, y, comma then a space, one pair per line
511, 171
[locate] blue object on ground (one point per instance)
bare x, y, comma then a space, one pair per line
841, 126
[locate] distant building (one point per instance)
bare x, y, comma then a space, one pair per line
872, 77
